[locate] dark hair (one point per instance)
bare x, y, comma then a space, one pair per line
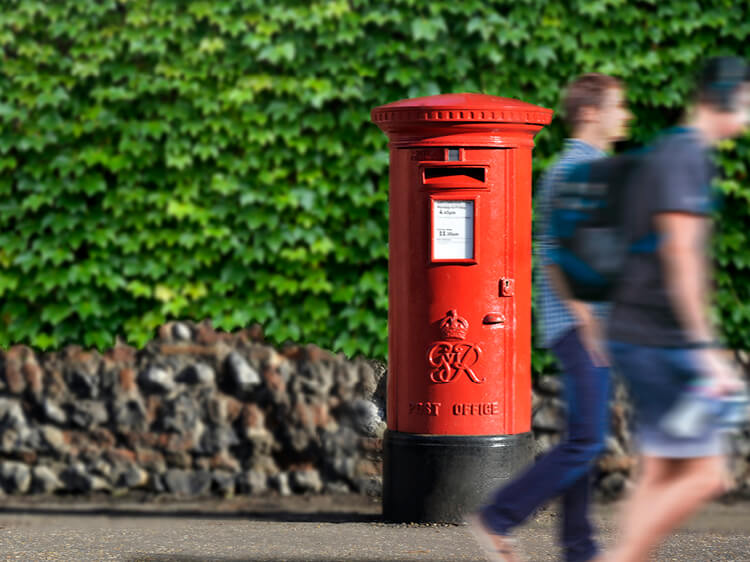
588, 90
719, 80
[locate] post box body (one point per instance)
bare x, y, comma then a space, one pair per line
459, 290
460, 263
459, 388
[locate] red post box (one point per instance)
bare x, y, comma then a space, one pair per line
459, 386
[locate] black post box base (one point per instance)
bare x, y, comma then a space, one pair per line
440, 478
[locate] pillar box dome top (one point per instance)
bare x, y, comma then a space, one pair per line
407, 121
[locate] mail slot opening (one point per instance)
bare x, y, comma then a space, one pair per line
471, 176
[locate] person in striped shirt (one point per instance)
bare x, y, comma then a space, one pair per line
596, 112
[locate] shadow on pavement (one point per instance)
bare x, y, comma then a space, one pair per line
285, 558
270, 516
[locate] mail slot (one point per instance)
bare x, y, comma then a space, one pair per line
454, 176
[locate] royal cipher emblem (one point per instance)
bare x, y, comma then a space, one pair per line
451, 357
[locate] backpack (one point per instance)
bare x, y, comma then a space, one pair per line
585, 220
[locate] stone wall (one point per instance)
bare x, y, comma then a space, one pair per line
200, 412
194, 412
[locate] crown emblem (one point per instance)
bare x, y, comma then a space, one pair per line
453, 327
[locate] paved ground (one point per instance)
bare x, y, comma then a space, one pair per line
302, 529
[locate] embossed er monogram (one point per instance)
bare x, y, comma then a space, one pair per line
450, 359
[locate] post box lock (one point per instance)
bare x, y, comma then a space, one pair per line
493, 318
507, 287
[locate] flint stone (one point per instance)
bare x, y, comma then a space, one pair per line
262, 440
109, 381
612, 446
369, 485
313, 379
243, 377
380, 370
306, 481
131, 476
130, 413
344, 441
368, 382
742, 446
222, 409
15, 477
296, 438
10, 441
83, 384
613, 485
11, 414
87, 414
102, 468
179, 459
187, 482
549, 385
14, 379
615, 463
45, 481
280, 482
151, 460
336, 487
156, 380
54, 439
252, 482
78, 480
224, 482
181, 332
53, 412
226, 462
216, 439
549, 416
344, 466
366, 417
197, 373
536, 400
286, 369
346, 377
156, 484
34, 442
543, 442
180, 414
266, 464
34, 376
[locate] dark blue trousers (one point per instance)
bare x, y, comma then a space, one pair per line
564, 470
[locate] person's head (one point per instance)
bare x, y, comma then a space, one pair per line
595, 109
722, 97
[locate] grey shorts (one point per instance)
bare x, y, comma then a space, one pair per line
656, 377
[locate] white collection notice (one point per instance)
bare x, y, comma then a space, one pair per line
452, 230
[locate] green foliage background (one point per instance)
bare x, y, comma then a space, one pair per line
214, 159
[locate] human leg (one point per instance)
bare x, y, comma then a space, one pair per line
586, 387
577, 532
668, 492
586, 391
678, 474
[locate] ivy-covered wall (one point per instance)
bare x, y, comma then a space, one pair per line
214, 159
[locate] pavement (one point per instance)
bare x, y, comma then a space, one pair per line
312, 528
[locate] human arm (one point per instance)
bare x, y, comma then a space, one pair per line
685, 269
590, 329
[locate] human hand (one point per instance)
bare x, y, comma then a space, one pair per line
591, 333
722, 371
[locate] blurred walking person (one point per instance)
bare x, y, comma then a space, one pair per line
595, 110
662, 342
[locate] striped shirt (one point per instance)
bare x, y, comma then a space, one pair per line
553, 316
